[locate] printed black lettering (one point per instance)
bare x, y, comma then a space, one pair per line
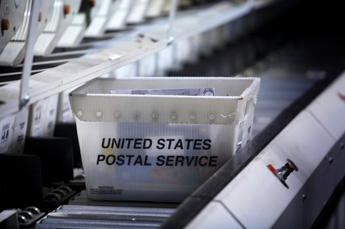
160, 143
110, 159
129, 140
146, 163
188, 143
21, 125
116, 143
179, 160
139, 161
170, 140
213, 161
123, 142
100, 157
20, 138
137, 143
170, 161
200, 161
105, 146
147, 143
120, 159
129, 159
160, 160
197, 144
179, 144
207, 144
189, 160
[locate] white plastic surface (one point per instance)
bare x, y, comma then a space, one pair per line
65, 114
100, 16
139, 9
14, 15
6, 128
50, 115
229, 103
162, 126
309, 143
148, 65
74, 33
19, 134
165, 60
13, 53
329, 108
10, 54
255, 196
155, 8
13, 132
183, 51
304, 142
215, 216
130, 70
42, 117
55, 28
119, 16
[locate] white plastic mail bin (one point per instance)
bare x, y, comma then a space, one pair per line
159, 147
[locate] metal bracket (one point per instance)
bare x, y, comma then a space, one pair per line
30, 43
170, 38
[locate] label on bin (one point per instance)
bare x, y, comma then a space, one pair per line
124, 160
187, 91
6, 131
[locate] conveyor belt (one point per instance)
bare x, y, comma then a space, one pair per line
290, 81
75, 216
285, 90
281, 84
291, 78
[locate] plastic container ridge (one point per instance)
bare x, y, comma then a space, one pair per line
159, 147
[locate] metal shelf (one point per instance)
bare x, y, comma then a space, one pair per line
126, 50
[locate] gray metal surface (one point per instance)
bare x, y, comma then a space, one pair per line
81, 216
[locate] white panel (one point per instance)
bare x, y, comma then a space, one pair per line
64, 109
329, 108
309, 143
138, 12
305, 141
74, 32
97, 27
20, 128
214, 215
72, 36
118, 19
36, 119
256, 197
155, 8
147, 66
43, 43
50, 115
